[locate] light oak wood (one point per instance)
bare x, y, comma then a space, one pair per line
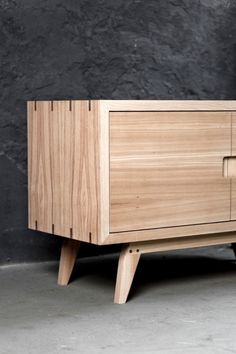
44, 171
86, 198
159, 175
131, 253
107, 106
104, 179
166, 169
167, 105
182, 243
127, 266
69, 252
39, 167
65, 169
233, 180
229, 167
62, 156
170, 232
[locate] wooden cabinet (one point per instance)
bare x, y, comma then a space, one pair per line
153, 175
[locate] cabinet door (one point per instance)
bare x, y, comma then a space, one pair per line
166, 169
233, 180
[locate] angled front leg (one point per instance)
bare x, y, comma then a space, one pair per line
69, 251
127, 266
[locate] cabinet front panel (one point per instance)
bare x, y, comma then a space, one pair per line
166, 169
233, 179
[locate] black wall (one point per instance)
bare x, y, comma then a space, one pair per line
84, 49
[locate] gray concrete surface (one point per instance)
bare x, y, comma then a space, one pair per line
181, 302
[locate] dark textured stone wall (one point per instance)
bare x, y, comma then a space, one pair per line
121, 49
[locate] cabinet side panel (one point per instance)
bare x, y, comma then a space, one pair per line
86, 172
31, 176
62, 130
104, 147
64, 168
39, 167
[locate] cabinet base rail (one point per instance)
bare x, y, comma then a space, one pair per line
130, 256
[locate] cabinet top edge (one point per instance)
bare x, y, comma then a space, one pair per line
152, 105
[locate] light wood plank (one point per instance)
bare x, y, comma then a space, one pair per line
69, 252
39, 167
233, 180
168, 105
131, 253
86, 179
65, 169
127, 266
182, 243
166, 169
62, 156
31, 153
104, 147
169, 232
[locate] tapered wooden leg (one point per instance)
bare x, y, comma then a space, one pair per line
69, 253
127, 266
234, 248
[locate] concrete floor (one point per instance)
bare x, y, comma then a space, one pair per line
181, 302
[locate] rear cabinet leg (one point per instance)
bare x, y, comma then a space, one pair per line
127, 266
69, 253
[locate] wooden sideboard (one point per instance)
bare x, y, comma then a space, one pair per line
151, 175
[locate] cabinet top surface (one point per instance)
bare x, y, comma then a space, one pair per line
160, 105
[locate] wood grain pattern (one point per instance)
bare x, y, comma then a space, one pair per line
131, 253
127, 266
82, 211
62, 156
104, 135
182, 243
170, 232
128, 171
86, 180
168, 105
229, 167
64, 168
233, 180
69, 252
31, 151
39, 167
166, 169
